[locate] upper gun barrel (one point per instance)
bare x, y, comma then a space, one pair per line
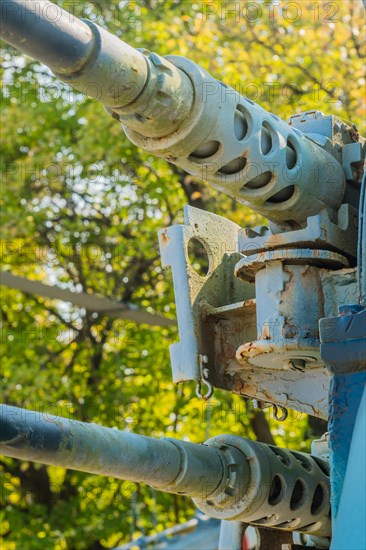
174, 109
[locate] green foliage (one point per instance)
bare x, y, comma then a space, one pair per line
82, 207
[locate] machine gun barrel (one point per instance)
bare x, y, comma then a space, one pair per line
174, 109
166, 464
228, 477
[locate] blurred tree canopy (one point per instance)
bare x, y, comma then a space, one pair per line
81, 208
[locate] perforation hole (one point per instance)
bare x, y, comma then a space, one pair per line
281, 455
259, 181
297, 495
206, 150
266, 138
234, 166
198, 257
291, 154
317, 500
283, 195
304, 461
275, 491
324, 466
240, 123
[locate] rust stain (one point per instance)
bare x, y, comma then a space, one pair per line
252, 349
266, 333
306, 272
249, 303
164, 238
276, 240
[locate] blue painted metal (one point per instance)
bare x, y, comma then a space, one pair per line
343, 350
345, 396
349, 531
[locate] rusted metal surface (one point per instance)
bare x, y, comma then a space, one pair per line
288, 307
319, 233
219, 317
302, 391
250, 265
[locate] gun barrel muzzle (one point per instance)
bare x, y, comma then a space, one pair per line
100, 65
48, 33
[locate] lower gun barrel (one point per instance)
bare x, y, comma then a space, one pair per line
228, 477
166, 464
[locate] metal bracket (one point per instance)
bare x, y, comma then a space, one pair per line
217, 314
195, 294
320, 233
